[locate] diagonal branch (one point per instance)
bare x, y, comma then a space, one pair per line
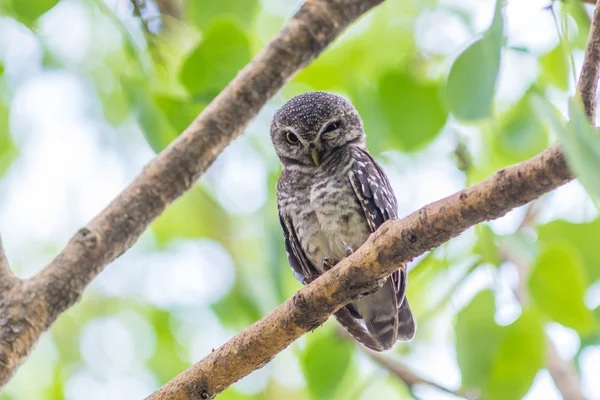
316, 24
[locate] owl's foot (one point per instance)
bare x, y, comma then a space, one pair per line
310, 278
328, 263
349, 251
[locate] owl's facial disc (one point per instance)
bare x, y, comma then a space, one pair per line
312, 126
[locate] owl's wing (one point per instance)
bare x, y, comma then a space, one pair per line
375, 194
301, 266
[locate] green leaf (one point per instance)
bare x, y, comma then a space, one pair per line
519, 358
521, 134
193, 215
557, 285
8, 151
215, 62
156, 128
486, 246
478, 338
179, 112
472, 79
581, 145
324, 362
413, 110
581, 239
579, 139
203, 13
28, 11
555, 68
1, 69
238, 308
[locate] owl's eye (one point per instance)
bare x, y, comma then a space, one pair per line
291, 138
332, 126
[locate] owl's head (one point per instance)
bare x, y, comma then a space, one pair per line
309, 128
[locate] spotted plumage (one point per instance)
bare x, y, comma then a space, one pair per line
331, 196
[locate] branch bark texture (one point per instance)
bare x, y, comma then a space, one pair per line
32, 305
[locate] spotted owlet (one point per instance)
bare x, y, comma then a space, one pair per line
331, 196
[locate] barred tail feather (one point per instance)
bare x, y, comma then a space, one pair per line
407, 325
357, 330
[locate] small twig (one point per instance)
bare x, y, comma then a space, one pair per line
588, 79
409, 377
6, 275
563, 373
530, 215
137, 11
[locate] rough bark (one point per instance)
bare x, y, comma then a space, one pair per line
30, 306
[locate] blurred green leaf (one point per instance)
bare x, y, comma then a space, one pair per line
8, 151
580, 140
581, 145
179, 112
472, 79
478, 339
557, 285
520, 356
238, 309
324, 363
581, 238
156, 128
28, 11
165, 362
555, 68
577, 10
486, 245
193, 215
204, 13
1, 69
224, 51
412, 109
521, 134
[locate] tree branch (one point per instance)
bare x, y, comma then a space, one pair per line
28, 312
587, 85
409, 377
563, 373
7, 278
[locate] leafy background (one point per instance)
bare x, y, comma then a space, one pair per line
450, 91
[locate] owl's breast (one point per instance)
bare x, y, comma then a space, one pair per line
339, 214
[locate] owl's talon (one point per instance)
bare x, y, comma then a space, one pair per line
349, 251
310, 279
328, 263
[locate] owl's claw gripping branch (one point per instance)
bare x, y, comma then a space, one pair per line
348, 251
327, 263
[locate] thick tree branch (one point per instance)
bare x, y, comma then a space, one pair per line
27, 312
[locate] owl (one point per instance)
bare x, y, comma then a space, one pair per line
331, 196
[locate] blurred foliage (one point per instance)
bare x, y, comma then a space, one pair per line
428, 97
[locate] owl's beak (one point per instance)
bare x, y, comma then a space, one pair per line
315, 156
